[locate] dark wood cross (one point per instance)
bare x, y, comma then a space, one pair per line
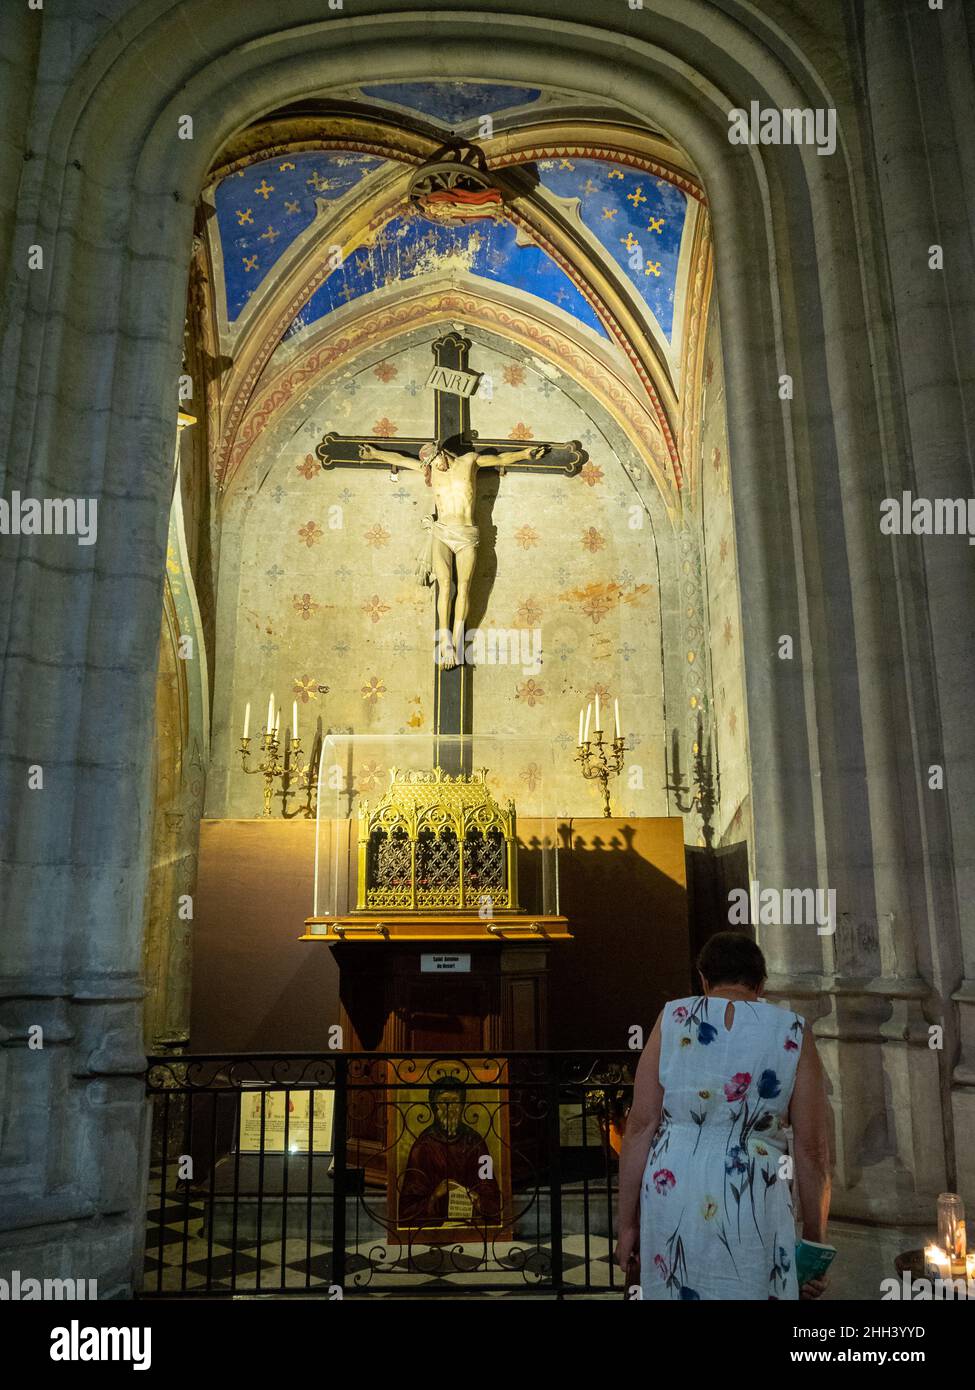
454, 383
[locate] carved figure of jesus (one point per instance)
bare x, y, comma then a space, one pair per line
450, 554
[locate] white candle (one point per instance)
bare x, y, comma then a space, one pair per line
585, 737
270, 713
247, 718
294, 719
616, 713
580, 728
277, 723
599, 724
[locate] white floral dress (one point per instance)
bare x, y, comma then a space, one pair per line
716, 1217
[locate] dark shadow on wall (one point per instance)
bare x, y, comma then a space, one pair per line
712, 874
630, 950
256, 987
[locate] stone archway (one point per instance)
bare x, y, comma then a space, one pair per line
90, 409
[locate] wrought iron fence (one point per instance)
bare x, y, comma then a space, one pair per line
384, 1173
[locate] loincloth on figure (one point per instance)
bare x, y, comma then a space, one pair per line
455, 535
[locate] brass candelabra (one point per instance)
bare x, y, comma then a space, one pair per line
706, 781
285, 764
600, 761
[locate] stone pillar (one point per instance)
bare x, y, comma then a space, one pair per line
921, 94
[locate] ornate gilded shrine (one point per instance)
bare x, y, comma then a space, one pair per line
438, 900
437, 841
419, 839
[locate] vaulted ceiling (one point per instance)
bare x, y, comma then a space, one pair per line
605, 237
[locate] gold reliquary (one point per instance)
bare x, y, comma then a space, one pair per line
437, 842
417, 842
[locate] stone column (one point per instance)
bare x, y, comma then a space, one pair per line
918, 73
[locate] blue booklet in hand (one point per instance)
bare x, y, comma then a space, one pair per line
812, 1260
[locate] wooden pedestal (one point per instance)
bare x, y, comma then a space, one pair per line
430, 982
390, 1003
459, 989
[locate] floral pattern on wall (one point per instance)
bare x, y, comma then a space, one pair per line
327, 563
727, 665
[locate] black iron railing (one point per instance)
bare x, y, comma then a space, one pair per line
338, 1174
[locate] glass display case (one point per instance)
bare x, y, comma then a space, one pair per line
427, 836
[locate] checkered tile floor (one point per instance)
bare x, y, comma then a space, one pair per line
179, 1258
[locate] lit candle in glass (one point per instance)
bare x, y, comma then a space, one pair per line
951, 1225
247, 718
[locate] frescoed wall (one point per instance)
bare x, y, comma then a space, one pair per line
317, 581
724, 605
617, 573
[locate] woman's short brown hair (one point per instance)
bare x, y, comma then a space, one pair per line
732, 958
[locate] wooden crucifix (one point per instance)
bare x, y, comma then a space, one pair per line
451, 460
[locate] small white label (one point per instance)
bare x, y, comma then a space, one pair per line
435, 963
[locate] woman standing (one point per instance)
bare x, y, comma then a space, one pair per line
705, 1199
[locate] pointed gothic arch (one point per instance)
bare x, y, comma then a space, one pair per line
836, 789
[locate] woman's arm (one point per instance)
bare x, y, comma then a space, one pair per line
808, 1117
641, 1126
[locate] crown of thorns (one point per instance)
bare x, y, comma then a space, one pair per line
450, 444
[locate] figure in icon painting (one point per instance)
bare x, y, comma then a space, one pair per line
443, 1179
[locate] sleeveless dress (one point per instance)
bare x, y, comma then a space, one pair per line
716, 1216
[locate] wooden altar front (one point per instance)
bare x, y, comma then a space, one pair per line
443, 983
450, 992
438, 955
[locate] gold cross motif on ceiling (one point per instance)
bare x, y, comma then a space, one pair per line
265, 189
656, 224
244, 215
